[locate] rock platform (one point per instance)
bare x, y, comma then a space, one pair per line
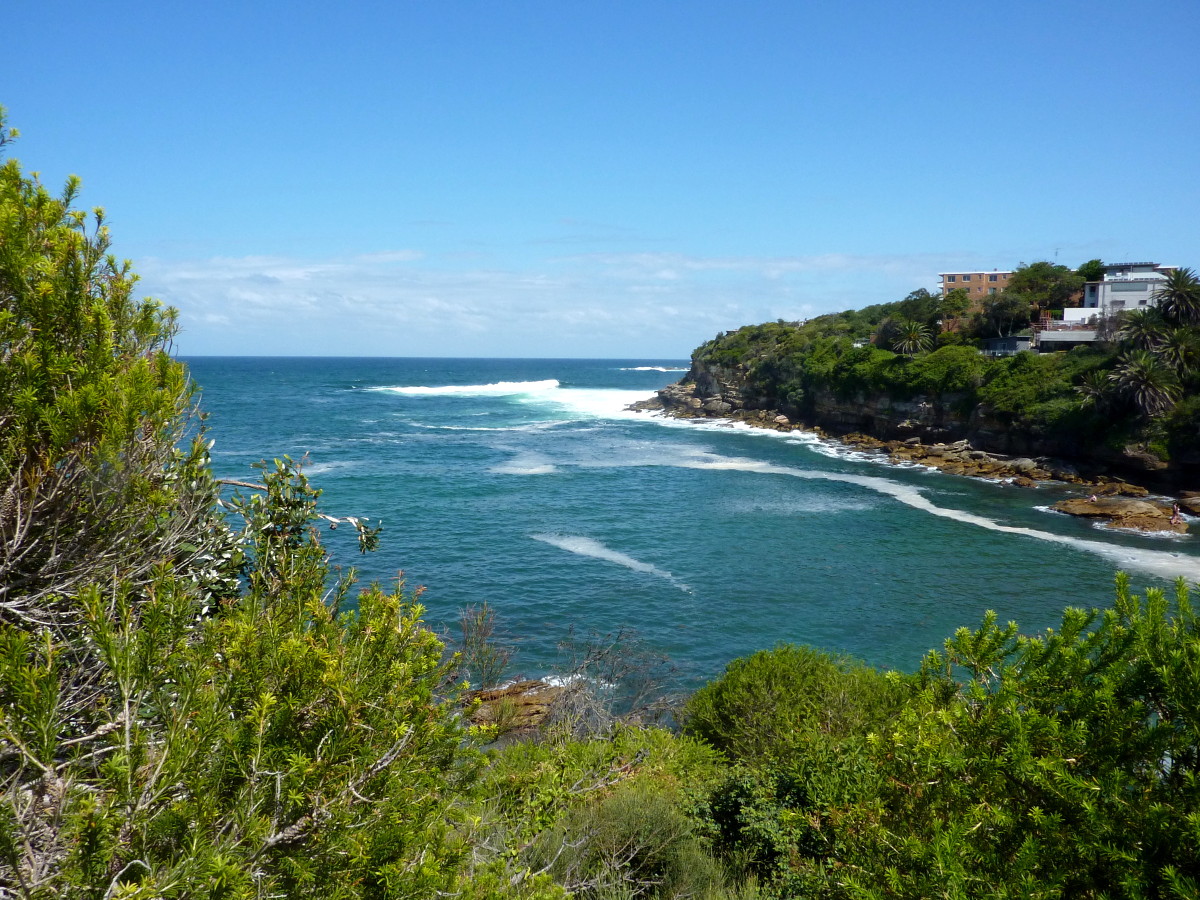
1118, 502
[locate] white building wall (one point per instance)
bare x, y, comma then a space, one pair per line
1124, 287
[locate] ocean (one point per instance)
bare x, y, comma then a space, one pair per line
527, 485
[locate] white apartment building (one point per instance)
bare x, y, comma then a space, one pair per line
1125, 286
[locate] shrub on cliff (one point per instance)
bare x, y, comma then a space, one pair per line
1060, 765
278, 748
778, 703
185, 711
96, 478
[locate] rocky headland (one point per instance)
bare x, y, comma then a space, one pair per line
916, 432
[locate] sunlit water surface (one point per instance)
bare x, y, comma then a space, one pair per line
526, 485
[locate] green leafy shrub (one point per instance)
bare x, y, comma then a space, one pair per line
632, 842
275, 748
774, 704
1065, 765
96, 474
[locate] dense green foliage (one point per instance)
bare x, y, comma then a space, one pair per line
276, 746
1066, 765
183, 711
1139, 387
795, 366
776, 703
93, 411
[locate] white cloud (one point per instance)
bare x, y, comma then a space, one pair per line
405, 303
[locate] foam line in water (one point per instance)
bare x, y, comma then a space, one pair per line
585, 546
1154, 562
652, 369
528, 426
495, 389
525, 464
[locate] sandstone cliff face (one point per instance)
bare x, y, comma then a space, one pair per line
712, 390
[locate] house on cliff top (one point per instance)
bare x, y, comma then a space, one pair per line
1125, 286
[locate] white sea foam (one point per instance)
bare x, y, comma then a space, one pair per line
797, 506
525, 464
652, 369
322, 468
596, 403
515, 469
528, 426
577, 403
495, 389
585, 546
1154, 562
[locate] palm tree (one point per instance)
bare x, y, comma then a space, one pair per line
912, 338
1181, 350
1179, 297
1146, 381
1143, 329
1095, 389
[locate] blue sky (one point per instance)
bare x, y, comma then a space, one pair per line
605, 179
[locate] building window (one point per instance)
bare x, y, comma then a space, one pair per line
951, 278
991, 290
966, 278
993, 278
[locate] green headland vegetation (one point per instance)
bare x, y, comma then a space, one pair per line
1136, 391
193, 704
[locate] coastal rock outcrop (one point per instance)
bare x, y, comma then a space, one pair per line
1122, 512
907, 432
738, 389
515, 709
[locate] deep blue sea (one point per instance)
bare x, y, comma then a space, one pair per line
525, 484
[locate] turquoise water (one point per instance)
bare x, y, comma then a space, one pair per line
525, 484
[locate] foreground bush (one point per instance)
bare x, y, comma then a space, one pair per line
275, 749
1067, 766
778, 703
93, 416
1059, 766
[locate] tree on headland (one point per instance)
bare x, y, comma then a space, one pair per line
913, 338
1180, 349
1002, 314
1179, 297
1045, 285
1147, 381
955, 303
1092, 270
1143, 329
